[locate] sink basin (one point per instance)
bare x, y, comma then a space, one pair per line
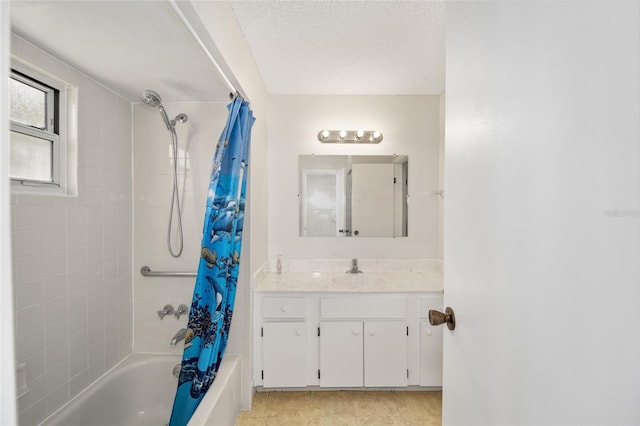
358, 281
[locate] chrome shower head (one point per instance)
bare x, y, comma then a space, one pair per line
180, 118
151, 98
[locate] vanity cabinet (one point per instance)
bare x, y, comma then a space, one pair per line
369, 350
357, 353
284, 354
341, 349
335, 340
430, 343
284, 342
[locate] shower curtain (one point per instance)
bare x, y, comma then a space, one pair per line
215, 287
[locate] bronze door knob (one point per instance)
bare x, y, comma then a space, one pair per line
438, 318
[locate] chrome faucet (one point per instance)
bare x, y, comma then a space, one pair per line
354, 267
167, 310
182, 309
180, 335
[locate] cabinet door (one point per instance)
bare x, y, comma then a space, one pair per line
341, 354
430, 354
284, 354
385, 353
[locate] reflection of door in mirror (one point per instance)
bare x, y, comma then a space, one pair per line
322, 203
373, 194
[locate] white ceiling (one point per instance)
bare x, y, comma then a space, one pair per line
300, 47
347, 47
127, 45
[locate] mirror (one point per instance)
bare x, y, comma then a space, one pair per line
353, 195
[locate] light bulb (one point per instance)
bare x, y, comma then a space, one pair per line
359, 134
376, 135
325, 134
343, 134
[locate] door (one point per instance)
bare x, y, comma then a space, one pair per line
341, 354
385, 353
284, 354
322, 203
372, 199
542, 213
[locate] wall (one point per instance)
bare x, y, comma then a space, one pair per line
8, 415
409, 124
72, 255
153, 185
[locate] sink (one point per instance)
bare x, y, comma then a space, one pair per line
358, 281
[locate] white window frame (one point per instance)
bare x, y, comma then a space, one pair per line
49, 84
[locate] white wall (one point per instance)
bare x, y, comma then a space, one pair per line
409, 124
152, 159
8, 407
72, 255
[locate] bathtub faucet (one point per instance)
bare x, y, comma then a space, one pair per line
180, 335
354, 267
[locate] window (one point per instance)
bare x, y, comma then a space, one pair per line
37, 108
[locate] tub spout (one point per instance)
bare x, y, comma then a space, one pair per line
180, 335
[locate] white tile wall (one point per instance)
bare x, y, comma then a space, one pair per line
72, 281
152, 197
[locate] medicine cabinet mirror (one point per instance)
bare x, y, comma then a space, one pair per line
353, 195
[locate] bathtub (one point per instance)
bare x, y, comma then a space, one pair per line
140, 390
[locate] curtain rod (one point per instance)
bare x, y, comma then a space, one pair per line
179, 10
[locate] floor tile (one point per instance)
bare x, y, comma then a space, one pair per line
344, 408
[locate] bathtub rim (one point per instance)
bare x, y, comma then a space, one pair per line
130, 359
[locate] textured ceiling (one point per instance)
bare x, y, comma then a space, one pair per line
346, 47
127, 45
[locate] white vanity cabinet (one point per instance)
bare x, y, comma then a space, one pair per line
341, 349
357, 353
430, 343
368, 350
284, 342
346, 340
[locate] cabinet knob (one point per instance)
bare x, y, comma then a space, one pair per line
356, 332
428, 333
284, 309
298, 332
372, 333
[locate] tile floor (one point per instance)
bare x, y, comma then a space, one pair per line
348, 408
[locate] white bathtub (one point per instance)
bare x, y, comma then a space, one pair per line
140, 391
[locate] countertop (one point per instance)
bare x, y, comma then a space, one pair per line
342, 282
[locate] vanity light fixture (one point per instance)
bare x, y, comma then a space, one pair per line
349, 136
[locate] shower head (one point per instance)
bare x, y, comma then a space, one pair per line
180, 118
151, 98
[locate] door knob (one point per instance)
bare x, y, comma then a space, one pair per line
437, 318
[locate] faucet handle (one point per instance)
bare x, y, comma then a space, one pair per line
182, 309
167, 310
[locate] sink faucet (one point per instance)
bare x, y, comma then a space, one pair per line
180, 335
354, 267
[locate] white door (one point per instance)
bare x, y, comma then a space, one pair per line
284, 354
385, 353
322, 203
542, 180
341, 347
372, 200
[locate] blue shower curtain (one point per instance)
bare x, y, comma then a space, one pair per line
215, 288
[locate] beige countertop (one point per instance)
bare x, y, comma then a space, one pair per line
341, 282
